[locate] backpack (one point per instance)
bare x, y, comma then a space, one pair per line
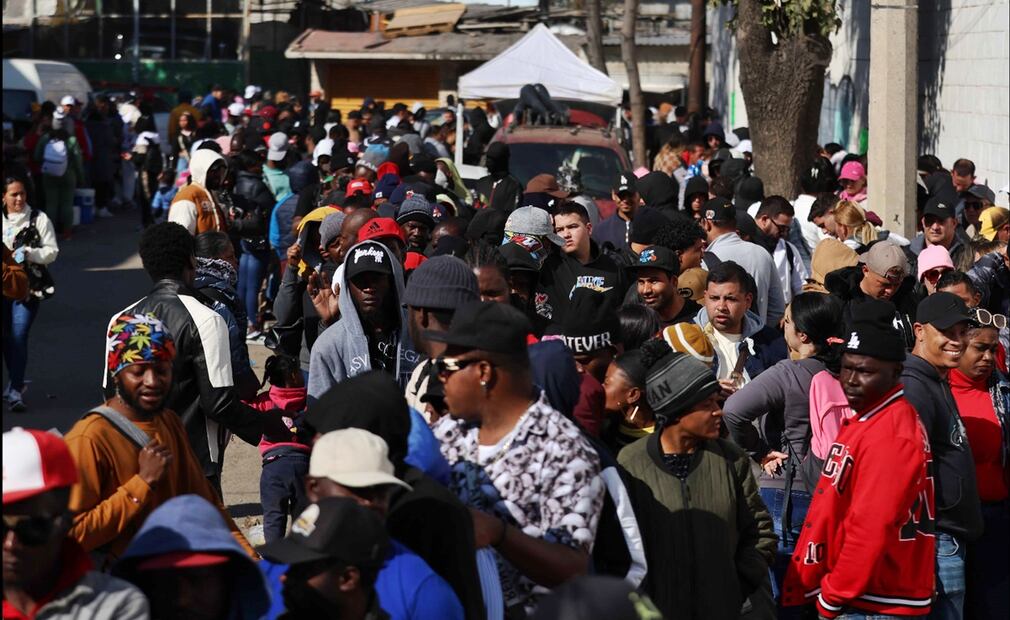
55, 158
279, 235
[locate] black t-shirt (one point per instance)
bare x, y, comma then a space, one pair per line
686, 314
382, 350
561, 275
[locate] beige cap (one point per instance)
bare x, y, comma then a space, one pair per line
691, 283
354, 458
885, 258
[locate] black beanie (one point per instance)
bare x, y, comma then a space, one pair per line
874, 333
676, 383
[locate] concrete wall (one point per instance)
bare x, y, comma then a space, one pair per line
964, 82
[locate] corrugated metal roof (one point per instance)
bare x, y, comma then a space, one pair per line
321, 44
675, 37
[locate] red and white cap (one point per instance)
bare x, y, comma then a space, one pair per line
35, 462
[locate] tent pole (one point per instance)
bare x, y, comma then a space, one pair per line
459, 134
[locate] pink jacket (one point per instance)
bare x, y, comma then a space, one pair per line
828, 407
291, 400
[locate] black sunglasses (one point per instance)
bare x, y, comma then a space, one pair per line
446, 366
31, 531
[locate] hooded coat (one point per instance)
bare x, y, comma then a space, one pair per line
342, 350
190, 523
659, 191
499, 189
193, 206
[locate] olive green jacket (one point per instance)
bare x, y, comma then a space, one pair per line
709, 539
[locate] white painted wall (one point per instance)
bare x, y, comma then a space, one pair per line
964, 82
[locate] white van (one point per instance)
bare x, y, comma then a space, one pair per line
29, 81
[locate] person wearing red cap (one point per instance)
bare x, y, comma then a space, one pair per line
45, 573
135, 455
386, 231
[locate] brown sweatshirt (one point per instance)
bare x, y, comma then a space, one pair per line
111, 501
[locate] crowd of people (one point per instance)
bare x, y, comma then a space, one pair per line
486, 401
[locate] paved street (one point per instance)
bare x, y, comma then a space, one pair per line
97, 274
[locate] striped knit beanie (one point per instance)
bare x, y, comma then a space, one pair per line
676, 383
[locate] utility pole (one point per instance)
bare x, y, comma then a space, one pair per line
696, 78
594, 35
136, 42
629, 50
894, 64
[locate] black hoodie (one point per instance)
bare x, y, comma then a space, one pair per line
958, 511
659, 191
844, 284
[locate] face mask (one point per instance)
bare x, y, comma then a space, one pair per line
441, 179
303, 601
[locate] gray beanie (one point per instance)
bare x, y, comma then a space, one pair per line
676, 383
416, 208
330, 228
442, 283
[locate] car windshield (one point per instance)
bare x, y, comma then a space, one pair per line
18, 104
597, 165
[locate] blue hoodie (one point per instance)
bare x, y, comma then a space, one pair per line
342, 350
191, 523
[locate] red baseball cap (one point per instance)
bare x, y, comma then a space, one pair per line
35, 462
413, 260
183, 559
380, 227
358, 186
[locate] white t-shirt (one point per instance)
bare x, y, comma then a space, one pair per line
727, 352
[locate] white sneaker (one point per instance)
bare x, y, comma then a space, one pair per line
102, 213
14, 400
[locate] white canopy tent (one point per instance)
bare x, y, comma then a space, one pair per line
539, 58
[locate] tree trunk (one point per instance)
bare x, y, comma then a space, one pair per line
630, 54
696, 59
782, 84
594, 35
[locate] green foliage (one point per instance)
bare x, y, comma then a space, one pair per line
788, 18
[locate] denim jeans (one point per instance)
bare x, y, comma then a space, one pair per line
252, 269
18, 319
987, 571
774, 499
950, 556
856, 615
282, 490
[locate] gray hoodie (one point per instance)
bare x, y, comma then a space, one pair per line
342, 350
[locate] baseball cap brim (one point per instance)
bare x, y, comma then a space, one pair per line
290, 551
274, 155
950, 320
450, 339
556, 239
183, 559
365, 479
637, 266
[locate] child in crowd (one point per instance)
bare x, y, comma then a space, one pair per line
163, 196
285, 459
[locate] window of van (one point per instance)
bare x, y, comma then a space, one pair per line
18, 104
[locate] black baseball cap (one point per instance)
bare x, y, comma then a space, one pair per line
942, 310
487, 326
940, 207
657, 257
368, 256
719, 210
334, 528
625, 182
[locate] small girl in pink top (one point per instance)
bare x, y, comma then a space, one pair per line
285, 459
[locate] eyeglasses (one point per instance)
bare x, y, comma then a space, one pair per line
446, 366
985, 318
31, 531
783, 228
934, 274
971, 204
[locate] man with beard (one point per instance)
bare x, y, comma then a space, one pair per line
132, 453
335, 551
416, 221
656, 271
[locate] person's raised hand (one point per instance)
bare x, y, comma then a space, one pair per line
153, 462
294, 255
325, 301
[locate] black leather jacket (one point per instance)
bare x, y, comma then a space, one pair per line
202, 393
255, 198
